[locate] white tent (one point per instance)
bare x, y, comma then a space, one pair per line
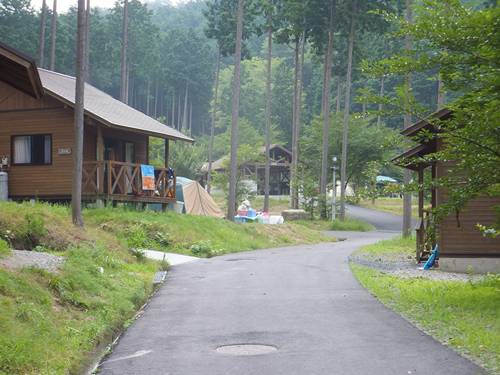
196, 200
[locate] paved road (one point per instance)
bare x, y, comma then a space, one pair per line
302, 300
381, 220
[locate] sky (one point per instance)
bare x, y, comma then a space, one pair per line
63, 5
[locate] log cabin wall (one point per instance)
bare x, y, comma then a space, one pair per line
44, 181
461, 243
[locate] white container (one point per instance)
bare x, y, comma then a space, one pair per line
178, 207
276, 219
4, 186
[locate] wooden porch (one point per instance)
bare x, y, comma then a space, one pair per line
119, 181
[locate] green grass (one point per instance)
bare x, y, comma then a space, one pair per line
51, 322
351, 225
4, 247
462, 315
391, 205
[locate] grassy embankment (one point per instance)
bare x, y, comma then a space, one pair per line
51, 322
276, 206
463, 315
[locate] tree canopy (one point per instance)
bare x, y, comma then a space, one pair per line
462, 45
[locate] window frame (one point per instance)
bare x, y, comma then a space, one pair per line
12, 149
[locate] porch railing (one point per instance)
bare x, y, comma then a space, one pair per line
123, 181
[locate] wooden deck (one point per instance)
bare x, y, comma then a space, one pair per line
118, 181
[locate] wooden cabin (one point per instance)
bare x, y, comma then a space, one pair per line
460, 242
37, 139
279, 170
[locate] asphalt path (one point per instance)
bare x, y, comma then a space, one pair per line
383, 221
302, 301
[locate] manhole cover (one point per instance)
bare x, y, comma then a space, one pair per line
246, 349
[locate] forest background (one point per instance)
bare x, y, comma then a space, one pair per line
171, 67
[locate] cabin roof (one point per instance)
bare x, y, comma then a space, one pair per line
106, 109
218, 163
407, 158
19, 71
416, 128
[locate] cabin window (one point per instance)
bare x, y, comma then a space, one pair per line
32, 149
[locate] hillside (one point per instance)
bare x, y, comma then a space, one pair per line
53, 319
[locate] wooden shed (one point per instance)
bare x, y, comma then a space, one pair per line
279, 170
460, 242
37, 136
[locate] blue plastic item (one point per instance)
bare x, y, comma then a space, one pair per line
251, 213
432, 259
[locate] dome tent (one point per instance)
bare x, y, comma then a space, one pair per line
196, 200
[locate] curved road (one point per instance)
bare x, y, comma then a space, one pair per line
301, 300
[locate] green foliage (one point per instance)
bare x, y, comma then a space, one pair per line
463, 43
52, 321
204, 249
187, 159
307, 189
4, 247
365, 144
351, 225
247, 155
164, 239
32, 229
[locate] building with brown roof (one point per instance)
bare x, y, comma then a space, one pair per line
279, 170
36, 138
460, 242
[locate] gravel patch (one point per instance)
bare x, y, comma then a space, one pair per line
405, 267
24, 259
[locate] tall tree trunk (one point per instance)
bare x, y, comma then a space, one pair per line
364, 96
53, 37
123, 91
379, 117
42, 36
179, 113
339, 91
156, 99
76, 192
440, 98
173, 108
234, 117
268, 111
298, 115
346, 122
87, 43
212, 130
323, 95
407, 124
190, 117
127, 84
184, 116
293, 172
326, 112
147, 95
